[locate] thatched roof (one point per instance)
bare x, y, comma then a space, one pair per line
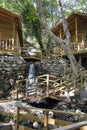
81, 19
9, 17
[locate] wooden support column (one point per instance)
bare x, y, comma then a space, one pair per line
76, 32
13, 37
17, 121
46, 120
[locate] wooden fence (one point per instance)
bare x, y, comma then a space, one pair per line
52, 86
46, 120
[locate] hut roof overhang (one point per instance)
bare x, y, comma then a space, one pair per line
81, 19
11, 18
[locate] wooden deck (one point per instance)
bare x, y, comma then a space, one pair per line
28, 54
7, 47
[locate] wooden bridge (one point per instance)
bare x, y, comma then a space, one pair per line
55, 88
51, 86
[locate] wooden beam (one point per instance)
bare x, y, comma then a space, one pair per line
18, 116
45, 120
83, 128
73, 126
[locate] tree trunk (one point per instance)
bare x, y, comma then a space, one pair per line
65, 44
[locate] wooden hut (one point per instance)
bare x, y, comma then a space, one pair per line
77, 25
11, 39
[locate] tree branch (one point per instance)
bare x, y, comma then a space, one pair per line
65, 44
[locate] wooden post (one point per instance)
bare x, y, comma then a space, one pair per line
83, 128
17, 121
76, 31
17, 89
46, 120
13, 36
47, 84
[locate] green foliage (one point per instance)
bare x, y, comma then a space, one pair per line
5, 117
31, 24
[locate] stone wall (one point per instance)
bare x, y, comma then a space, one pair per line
11, 69
55, 67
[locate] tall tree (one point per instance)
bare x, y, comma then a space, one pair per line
65, 44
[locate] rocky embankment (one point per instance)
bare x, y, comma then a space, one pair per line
11, 69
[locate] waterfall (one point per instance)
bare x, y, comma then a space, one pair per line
31, 76
31, 73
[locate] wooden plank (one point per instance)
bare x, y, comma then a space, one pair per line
18, 116
45, 120
73, 126
83, 128
56, 111
50, 120
31, 117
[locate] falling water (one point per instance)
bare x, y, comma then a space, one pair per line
31, 73
31, 76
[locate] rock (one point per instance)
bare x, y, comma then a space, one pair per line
78, 111
10, 66
35, 125
5, 126
73, 105
50, 114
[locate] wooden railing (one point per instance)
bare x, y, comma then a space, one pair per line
46, 120
7, 44
31, 53
50, 53
8, 47
52, 86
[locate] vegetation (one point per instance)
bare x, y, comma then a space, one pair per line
32, 28
5, 117
36, 22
